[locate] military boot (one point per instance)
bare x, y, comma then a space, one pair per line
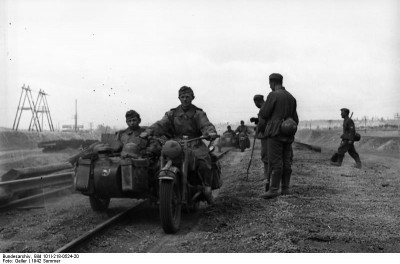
286, 181
358, 163
276, 176
338, 162
266, 176
208, 195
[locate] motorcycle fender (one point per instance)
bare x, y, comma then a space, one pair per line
169, 174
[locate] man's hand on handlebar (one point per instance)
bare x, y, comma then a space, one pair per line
212, 135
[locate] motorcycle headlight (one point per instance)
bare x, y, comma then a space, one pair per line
171, 149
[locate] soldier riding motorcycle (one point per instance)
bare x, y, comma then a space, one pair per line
243, 140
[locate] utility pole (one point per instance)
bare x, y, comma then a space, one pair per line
76, 115
365, 124
397, 116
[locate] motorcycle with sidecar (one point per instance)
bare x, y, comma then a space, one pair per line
227, 140
167, 180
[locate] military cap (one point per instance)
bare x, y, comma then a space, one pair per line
276, 76
258, 97
185, 89
345, 109
132, 114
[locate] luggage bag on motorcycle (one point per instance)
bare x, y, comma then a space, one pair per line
134, 175
83, 174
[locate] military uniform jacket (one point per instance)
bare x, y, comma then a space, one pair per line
348, 129
132, 136
178, 123
192, 123
280, 104
261, 127
129, 136
243, 129
229, 132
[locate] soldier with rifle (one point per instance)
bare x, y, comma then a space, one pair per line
347, 144
259, 101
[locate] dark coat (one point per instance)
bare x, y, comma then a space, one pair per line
280, 104
129, 136
177, 123
348, 129
193, 123
243, 129
132, 136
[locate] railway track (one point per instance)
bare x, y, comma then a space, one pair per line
29, 199
16, 192
84, 238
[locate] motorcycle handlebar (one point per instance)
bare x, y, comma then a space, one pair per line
200, 138
181, 141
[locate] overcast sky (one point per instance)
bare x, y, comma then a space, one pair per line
113, 56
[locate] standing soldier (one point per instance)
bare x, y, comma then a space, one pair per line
347, 144
260, 122
189, 120
280, 115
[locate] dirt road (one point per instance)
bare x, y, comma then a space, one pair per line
330, 210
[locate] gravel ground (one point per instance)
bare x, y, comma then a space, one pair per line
330, 210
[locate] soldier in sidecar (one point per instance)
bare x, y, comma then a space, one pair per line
126, 168
228, 138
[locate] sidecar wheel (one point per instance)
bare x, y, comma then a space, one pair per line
170, 206
99, 204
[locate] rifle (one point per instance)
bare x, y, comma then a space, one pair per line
251, 156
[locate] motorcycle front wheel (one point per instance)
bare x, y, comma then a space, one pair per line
170, 206
242, 146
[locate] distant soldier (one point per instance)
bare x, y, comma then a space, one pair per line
242, 128
260, 122
189, 120
229, 131
347, 144
280, 105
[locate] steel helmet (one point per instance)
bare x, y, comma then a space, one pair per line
172, 149
130, 149
289, 127
102, 148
